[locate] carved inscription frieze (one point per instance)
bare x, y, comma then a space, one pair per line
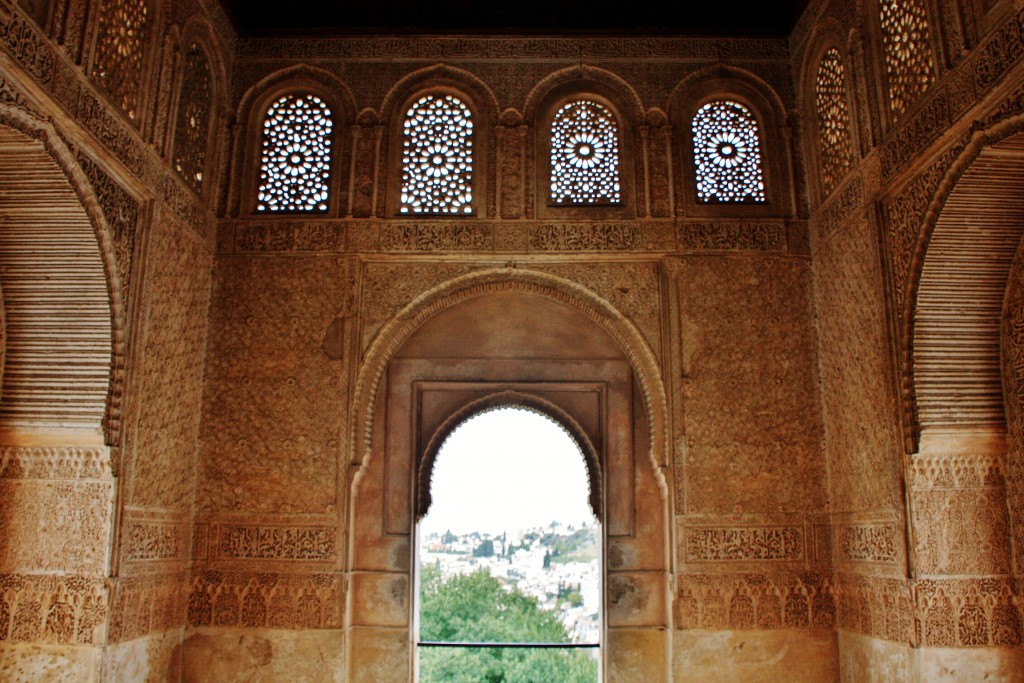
744, 544
585, 237
247, 542
728, 236
26, 45
153, 541
869, 543
288, 237
436, 237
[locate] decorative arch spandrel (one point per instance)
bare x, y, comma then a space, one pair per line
107, 269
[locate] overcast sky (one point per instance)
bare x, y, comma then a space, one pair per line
507, 470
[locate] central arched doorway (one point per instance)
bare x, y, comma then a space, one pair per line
508, 555
503, 337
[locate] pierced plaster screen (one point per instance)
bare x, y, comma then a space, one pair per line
190, 133
295, 169
120, 40
437, 157
727, 154
585, 155
834, 141
909, 64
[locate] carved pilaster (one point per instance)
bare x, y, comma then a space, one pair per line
511, 136
659, 171
366, 137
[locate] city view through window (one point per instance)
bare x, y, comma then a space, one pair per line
509, 553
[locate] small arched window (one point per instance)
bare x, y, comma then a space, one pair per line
295, 168
585, 155
727, 154
909, 63
835, 144
193, 125
120, 44
437, 157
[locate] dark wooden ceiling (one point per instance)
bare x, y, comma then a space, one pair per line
532, 17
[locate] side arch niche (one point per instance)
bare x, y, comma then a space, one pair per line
509, 337
60, 309
966, 484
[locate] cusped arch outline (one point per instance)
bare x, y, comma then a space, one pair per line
402, 326
1007, 122
496, 401
200, 31
726, 80
443, 75
622, 93
289, 79
44, 132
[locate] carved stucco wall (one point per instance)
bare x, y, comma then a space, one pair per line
801, 503
115, 588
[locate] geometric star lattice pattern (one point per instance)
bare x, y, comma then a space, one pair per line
437, 157
194, 109
834, 139
585, 155
727, 154
120, 44
295, 170
909, 66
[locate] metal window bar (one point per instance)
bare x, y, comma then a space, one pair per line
510, 646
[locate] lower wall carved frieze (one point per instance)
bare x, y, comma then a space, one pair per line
266, 600
961, 612
749, 601
149, 604
55, 462
65, 610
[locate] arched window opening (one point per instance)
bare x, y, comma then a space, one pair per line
585, 155
835, 144
295, 168
437, 157
194, 108
727, 154
121, 40
509, 556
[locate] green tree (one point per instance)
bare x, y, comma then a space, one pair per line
478, 608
